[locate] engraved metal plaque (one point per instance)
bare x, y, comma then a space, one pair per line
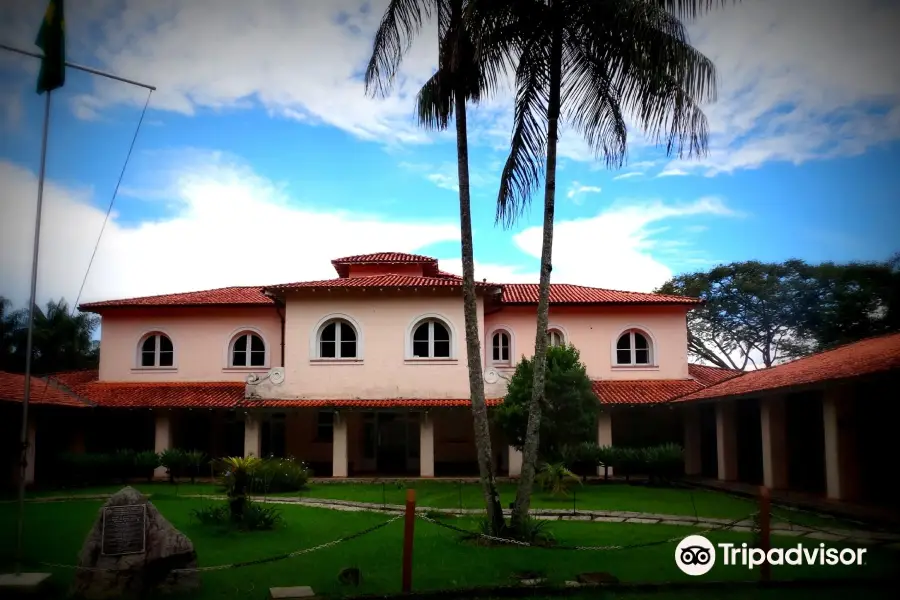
124, 530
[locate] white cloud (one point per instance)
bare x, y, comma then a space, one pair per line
673, 173
630, 175
299, 60
798, 81
577, 189
620, 248
231, 227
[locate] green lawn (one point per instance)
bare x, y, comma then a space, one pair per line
452, 495
55, 532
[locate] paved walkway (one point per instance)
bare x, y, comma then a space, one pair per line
854, 536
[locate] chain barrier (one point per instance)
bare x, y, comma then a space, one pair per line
501, 540
781, 506
247, 563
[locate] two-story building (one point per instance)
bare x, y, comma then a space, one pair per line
366, 373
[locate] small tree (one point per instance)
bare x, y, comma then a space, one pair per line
568, 408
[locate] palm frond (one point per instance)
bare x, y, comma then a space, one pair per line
434, 103
399, 26
660, 77
524, 166
689, 9
592, 104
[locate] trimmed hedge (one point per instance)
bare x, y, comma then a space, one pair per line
659, 463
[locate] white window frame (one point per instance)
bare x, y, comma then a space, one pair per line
507, 331
315, 348
139, 358
234, 337
651, 343
563, 335
414, 325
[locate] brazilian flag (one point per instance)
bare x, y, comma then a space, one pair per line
52, 40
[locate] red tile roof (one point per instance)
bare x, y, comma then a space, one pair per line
645, 391
43, 392
564, 293
342, 265
707, 375
873, 355
378, 281
231, 296
208, 394
359, 403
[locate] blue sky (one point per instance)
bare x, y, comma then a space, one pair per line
260, 158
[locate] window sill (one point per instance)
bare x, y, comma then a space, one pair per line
430, 361
245, 369
502, 366
635, 367
335, 361
154, 370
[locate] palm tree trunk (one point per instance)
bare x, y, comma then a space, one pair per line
532, 431
473, 344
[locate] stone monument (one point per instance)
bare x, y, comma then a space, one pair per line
134, 550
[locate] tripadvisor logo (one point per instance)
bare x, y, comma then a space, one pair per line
696, 555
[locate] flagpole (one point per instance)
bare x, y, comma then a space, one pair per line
23, 467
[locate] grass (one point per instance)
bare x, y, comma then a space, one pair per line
55, 532
453, 495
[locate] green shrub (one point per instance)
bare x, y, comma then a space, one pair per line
274, 475
121, 465
213, 514
556, 479
259, 516
145, 463
175, 461
194, 461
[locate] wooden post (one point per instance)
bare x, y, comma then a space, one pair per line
408, 530
765, 572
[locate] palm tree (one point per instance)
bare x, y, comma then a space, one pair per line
62, 340
460, 78
9, 325
590, 62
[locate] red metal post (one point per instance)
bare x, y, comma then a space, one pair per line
408, 530
765, 527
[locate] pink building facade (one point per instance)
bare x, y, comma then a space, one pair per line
366, 373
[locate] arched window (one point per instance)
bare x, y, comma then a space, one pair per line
431, 339
337, 339
157, 351
555, 337
500, 347
633, 348
247, 350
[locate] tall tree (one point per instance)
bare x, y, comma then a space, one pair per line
460, 78
758, 314
9, 325
590, 63
63, 339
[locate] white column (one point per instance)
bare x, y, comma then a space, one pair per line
162, 440
252, 430
339, 446
515, 462
774, 442
693, 463
30, 452
726, 440
426, 445
840, 452
604, 437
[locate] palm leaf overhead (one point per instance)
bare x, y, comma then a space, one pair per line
620, 57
